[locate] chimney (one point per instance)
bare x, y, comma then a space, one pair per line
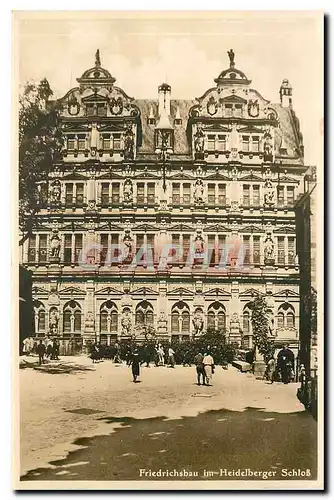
285, 93
164, 91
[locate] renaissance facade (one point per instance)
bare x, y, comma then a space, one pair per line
170, 214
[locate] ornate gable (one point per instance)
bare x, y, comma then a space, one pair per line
108, 291
218, 292
217, 228
38, 290
181, 291
250, 292
72, 291
285, 292
144, 291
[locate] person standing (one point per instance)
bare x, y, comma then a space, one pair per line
285, 363
41, 352
171, 359
49, 349
270, 370
135, 365
209, 367
198, 360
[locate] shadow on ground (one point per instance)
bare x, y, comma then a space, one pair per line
211, 441
56, 368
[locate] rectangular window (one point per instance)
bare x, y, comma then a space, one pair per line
255, 144
105, 194
186, 246
151, 193
256, 196
150, 246
291, 251
80, 194
246, 197
43, 251
222, 256
186, 193
104, 251
117, 142
280, 250
32, 248
280, 196
106, 142
245, 143
70, 143
101, 110
115, 250
68, 249
77, 247
176, 194
81, 143
256, 249
140, 193
246, 250
290, 196
211, 142
228, 110
222, 142
139, 243
68, 194
211, 194
222, 195
212, 250
238, 110
115, 193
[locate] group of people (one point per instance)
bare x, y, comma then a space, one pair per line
50, 350
283, 369
205, 368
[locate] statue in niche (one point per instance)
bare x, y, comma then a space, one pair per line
268, 144
199, 142
127, 246
53, 321
128, 143
126, 322
199, 244
128, 191
269, 250
269, 193
199, 191
198, 322
55, 246
55, 192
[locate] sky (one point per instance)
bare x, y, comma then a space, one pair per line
189, 50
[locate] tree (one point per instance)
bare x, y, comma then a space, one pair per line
40, 141
260, 325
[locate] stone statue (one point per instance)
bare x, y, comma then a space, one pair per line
128, 143
199, 191
162, 318
198, 322
199, 244
199, 141
55, 246
127, 246
55, 191
53, 321
268, 144
231, 55
269, 255
128, 191
126, 323
269, 193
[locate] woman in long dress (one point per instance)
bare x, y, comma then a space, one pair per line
209, 366
135, 365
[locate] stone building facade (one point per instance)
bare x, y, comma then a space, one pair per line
170, 213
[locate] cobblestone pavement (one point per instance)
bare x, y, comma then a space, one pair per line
74, 399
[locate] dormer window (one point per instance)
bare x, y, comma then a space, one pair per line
245, 143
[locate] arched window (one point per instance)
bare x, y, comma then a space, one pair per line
108, 317
246, 320
180, 318
72, 317
39, 310
144, 313
217, 316
286, 316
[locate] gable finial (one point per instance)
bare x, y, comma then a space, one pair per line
97, 58
231, 55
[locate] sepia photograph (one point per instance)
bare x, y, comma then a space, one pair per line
168, 219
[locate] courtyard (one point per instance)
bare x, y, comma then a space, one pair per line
85, 421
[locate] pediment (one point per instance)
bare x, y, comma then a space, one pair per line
233, 98
72, 290
74, 127
181, 227
144, 291
109, 227
146, 175
110, 127
94, 98
251, 229
218, 228
109, 290
286, 178
75, 176
216, 128
217, 292
181, 291
181, 175
286, 293
251, 177
145, 227
285, 230
217, 176
250, 129
38, 290
250, 292
110, 176
42, 227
